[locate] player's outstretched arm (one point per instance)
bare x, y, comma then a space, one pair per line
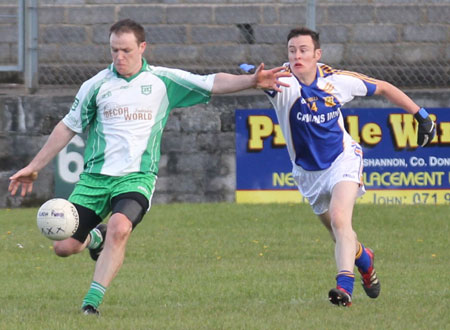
265, 79
396, 96
427, 128
60, 136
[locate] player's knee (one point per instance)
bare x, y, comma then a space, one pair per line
59, 250
339, 226
66, 248
119, 227
340, 221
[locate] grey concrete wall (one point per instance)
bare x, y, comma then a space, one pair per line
198, 145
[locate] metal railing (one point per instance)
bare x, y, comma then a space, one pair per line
20, 19
27, 42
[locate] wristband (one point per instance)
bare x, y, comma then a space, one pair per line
421, 115
247, 67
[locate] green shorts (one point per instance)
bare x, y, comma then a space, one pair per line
95, 191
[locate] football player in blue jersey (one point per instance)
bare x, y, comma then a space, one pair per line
327, 162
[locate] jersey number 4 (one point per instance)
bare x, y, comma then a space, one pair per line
312, 106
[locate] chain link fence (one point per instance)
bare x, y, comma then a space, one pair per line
405, 42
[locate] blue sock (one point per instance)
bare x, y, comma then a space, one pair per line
362, 259
345, 280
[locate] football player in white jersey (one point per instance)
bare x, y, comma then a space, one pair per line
125, 108
327, 162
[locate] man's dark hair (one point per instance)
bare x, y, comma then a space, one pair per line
127, 26
303, 31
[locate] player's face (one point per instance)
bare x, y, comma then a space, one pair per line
302, 56
126, 53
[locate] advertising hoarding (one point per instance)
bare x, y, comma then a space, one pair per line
396, 170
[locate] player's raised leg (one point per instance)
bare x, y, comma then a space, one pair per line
83, 237
97, 237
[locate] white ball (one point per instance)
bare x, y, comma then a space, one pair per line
57, 219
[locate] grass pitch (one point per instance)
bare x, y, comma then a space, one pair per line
229, 266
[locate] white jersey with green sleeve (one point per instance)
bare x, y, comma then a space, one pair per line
126, 116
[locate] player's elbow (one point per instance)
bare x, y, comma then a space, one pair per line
220, 84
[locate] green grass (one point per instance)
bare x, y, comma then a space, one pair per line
228, 266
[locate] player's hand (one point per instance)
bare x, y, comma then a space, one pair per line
25, 178
427, 128
269, 79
